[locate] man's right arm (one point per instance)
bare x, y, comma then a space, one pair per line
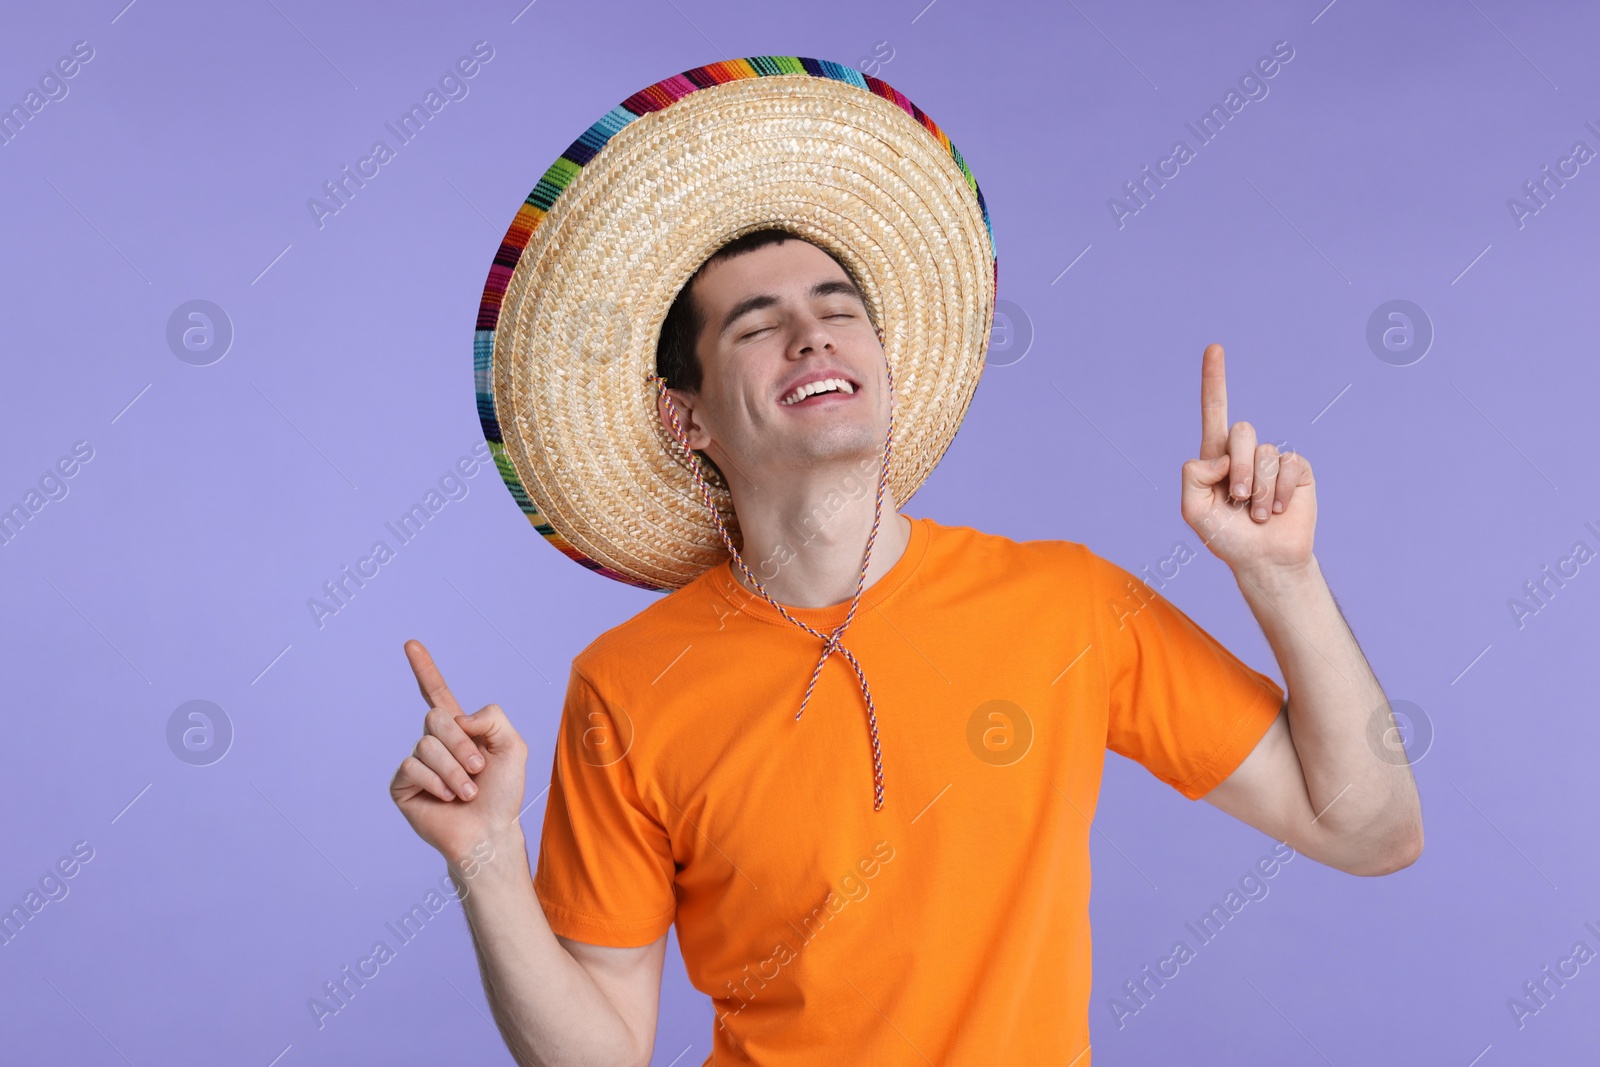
557, 1002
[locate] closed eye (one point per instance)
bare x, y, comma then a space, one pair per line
763, 329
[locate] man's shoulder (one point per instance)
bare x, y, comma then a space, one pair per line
636, 643
955, 545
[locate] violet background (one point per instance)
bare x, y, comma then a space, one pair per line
220, 498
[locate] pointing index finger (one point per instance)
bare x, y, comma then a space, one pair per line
429, 680
1213, 404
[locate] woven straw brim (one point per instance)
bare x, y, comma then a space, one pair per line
575, 339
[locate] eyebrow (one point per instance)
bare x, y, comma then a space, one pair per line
832, 287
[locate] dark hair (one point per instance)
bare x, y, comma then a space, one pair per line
676, 358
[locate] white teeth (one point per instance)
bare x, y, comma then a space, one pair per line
822, 386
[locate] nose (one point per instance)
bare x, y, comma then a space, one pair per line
813, 338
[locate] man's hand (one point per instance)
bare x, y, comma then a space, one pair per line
1253, 506
463, 782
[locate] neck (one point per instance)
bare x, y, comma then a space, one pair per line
805, 536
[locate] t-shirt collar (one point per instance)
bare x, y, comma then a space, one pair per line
752, 604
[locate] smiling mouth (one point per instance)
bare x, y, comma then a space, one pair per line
823, 387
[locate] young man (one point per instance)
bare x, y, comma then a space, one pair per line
856, 762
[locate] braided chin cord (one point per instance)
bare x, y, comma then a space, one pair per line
831, 642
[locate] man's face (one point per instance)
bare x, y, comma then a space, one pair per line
776, 319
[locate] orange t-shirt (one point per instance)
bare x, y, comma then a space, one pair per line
950, 927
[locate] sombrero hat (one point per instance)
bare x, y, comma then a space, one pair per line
566, 338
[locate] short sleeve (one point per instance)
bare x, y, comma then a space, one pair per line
1180, 703
605, 870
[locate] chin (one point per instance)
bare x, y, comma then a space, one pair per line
843, 447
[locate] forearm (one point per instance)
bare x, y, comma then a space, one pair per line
1364, 803
548, 1008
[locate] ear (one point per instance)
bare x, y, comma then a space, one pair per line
686, 406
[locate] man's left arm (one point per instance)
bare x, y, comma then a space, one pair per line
1316, 780
1325, 777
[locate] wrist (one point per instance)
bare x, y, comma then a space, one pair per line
493, 857
1277, 578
